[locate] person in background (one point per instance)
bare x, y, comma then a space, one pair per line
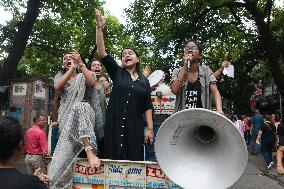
247, 123
11, 148
272, 118
276, 121
280, 149
193, 83
130, 99
239, 124
266, 135
96, 67
219, 72
256, 123
36, 145
103, 79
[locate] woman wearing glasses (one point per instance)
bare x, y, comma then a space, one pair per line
192, 83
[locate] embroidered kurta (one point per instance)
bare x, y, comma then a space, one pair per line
124, 128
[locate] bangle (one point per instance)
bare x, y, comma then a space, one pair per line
82, 65
150, 129
88, 148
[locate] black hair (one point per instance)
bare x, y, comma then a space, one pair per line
11, 134
267, 117
36, 118
89, 66
138, 67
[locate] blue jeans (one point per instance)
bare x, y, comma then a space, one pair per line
266, 151
254, 148
247, 137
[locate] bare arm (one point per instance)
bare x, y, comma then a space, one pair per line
87, 73
217, 97
149, 121
88, 76
259, 136
178, 81
219, 72
99, 34
61, 82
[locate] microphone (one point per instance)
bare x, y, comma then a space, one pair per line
188, 63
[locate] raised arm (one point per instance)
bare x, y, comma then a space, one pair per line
59, 84
179, 76
87, 73
219, 72
99, 34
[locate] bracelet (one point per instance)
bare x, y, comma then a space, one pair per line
88, 148
82, 65
149, 129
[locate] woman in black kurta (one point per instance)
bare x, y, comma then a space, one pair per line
130, 99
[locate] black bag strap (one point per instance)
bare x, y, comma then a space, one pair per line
270, 129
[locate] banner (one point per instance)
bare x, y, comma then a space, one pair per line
19, 89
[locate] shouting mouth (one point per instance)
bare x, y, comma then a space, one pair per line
127, 61
68, 64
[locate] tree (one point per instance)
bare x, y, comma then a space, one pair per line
19, 44
60, 27
235, 27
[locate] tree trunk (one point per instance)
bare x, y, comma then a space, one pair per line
17, 50
269, 44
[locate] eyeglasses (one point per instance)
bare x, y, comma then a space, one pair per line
190, 49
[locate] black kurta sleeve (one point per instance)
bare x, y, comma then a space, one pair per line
148, 103
110, 65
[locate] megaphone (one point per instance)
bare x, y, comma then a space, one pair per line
199, 148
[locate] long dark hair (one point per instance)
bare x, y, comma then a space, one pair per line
142, 78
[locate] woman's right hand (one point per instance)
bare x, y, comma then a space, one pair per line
186, 57
100, 19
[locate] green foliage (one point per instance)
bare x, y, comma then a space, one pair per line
224, 28
62, 26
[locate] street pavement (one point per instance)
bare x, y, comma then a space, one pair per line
256, 176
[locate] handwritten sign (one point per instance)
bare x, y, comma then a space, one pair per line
120, 175
163, 105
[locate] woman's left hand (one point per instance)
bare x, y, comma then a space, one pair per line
220, 112
149, 136
43, 177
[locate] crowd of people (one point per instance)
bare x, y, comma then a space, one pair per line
264, 135
86, 96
